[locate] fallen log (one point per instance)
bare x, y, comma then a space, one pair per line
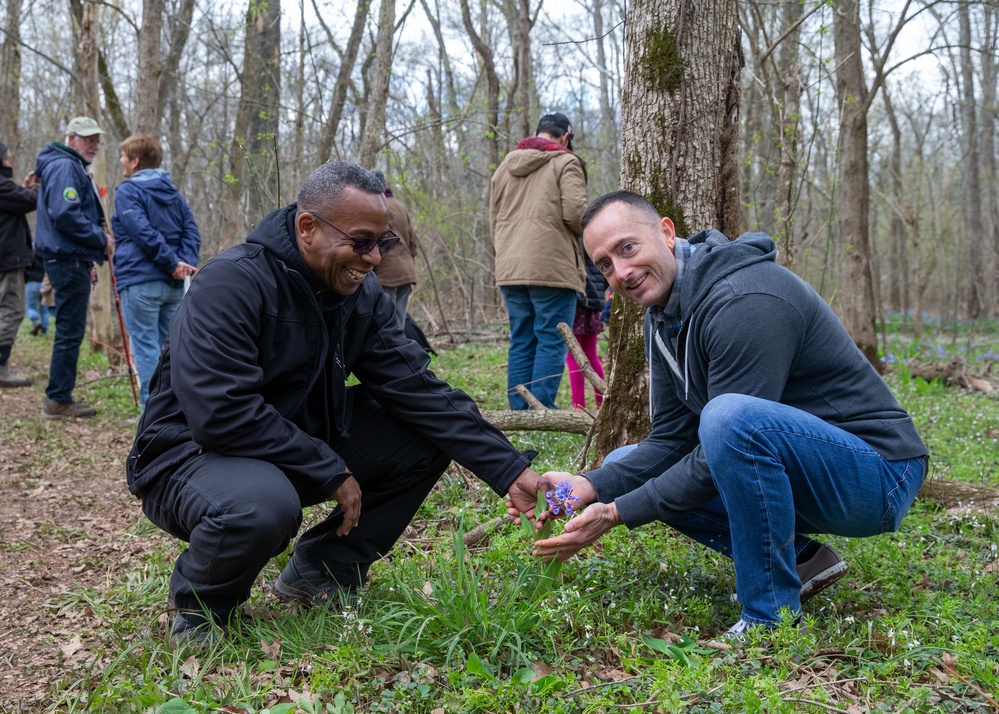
954, 374
958, 495
573, 422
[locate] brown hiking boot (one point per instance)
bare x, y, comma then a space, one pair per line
67, 410
9, 379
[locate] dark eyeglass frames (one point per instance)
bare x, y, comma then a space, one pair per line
363, 246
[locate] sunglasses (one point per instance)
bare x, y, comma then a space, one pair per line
363, 246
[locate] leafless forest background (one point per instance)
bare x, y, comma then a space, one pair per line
249, 96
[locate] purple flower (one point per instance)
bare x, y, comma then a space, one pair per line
562, 499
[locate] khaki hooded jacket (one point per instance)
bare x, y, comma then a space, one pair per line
398, 267
536, 202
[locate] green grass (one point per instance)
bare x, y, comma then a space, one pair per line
444, 628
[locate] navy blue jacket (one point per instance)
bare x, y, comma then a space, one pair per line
153, 229
70, 222
256, 364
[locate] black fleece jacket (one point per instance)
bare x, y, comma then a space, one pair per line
256, 363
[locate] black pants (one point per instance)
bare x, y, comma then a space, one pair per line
237, 513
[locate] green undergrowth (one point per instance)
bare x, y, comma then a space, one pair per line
443, 627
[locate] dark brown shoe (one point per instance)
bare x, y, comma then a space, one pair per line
67, 410
36, 329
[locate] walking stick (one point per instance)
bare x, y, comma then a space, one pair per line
124, 333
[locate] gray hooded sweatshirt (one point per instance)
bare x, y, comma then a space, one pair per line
749, 326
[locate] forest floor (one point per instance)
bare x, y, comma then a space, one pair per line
64, 521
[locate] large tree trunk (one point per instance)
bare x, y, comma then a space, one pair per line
856, 287
374, 127
680, 119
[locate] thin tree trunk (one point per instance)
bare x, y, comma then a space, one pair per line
976, 282
342, 83
10, 78
147, 93
485, 54
374, 128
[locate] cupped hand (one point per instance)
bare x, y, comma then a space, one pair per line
582, 530
349, 498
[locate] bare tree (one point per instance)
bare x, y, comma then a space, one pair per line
347, 62
10, 79
147, 90
374, 127
976, 296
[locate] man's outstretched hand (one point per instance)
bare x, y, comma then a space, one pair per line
523, 495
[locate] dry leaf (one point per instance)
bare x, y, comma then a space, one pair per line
273, 650
428, 589
190, 667
72, 647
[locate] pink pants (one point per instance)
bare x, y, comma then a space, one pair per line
577, 382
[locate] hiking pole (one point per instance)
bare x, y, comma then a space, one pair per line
124, 333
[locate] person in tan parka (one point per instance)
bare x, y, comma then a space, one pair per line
538, 195
397, 271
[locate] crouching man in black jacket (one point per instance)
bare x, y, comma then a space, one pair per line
249, 418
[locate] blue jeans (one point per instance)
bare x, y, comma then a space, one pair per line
537, 352
147, 309
71, 281
38, 312
781, 472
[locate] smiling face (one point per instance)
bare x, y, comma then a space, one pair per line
329, 254
633, 253
129, 166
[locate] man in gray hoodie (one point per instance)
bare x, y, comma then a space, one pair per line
768, 422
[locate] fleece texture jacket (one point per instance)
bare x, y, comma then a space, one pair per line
153, 229
256, 364
749, 326
70, 221
16, 202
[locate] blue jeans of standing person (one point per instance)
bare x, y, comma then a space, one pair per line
780, 473
147, 309
536, 357
38, 312
71, 281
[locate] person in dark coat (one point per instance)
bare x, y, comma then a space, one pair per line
16, 202
157, 247
250, 418
71, 235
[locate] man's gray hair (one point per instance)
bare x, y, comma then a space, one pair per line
323, 186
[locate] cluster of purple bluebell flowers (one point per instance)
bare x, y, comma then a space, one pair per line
562, 499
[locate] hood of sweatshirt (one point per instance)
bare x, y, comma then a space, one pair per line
716, 257
54, 152
533, 153
156, 184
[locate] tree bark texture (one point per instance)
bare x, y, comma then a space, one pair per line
262, 134
679, 121
856, 287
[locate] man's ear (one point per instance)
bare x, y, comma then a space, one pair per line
306, 227
669, 230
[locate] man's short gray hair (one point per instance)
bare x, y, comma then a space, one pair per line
322, 188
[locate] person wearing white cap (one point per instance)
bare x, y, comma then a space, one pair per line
71, 235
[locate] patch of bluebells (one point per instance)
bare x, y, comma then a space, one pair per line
561, 500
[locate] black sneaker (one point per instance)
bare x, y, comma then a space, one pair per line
311, 586
820, 567
193, 629
67, 410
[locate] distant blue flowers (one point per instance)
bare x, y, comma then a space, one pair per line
562, 499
